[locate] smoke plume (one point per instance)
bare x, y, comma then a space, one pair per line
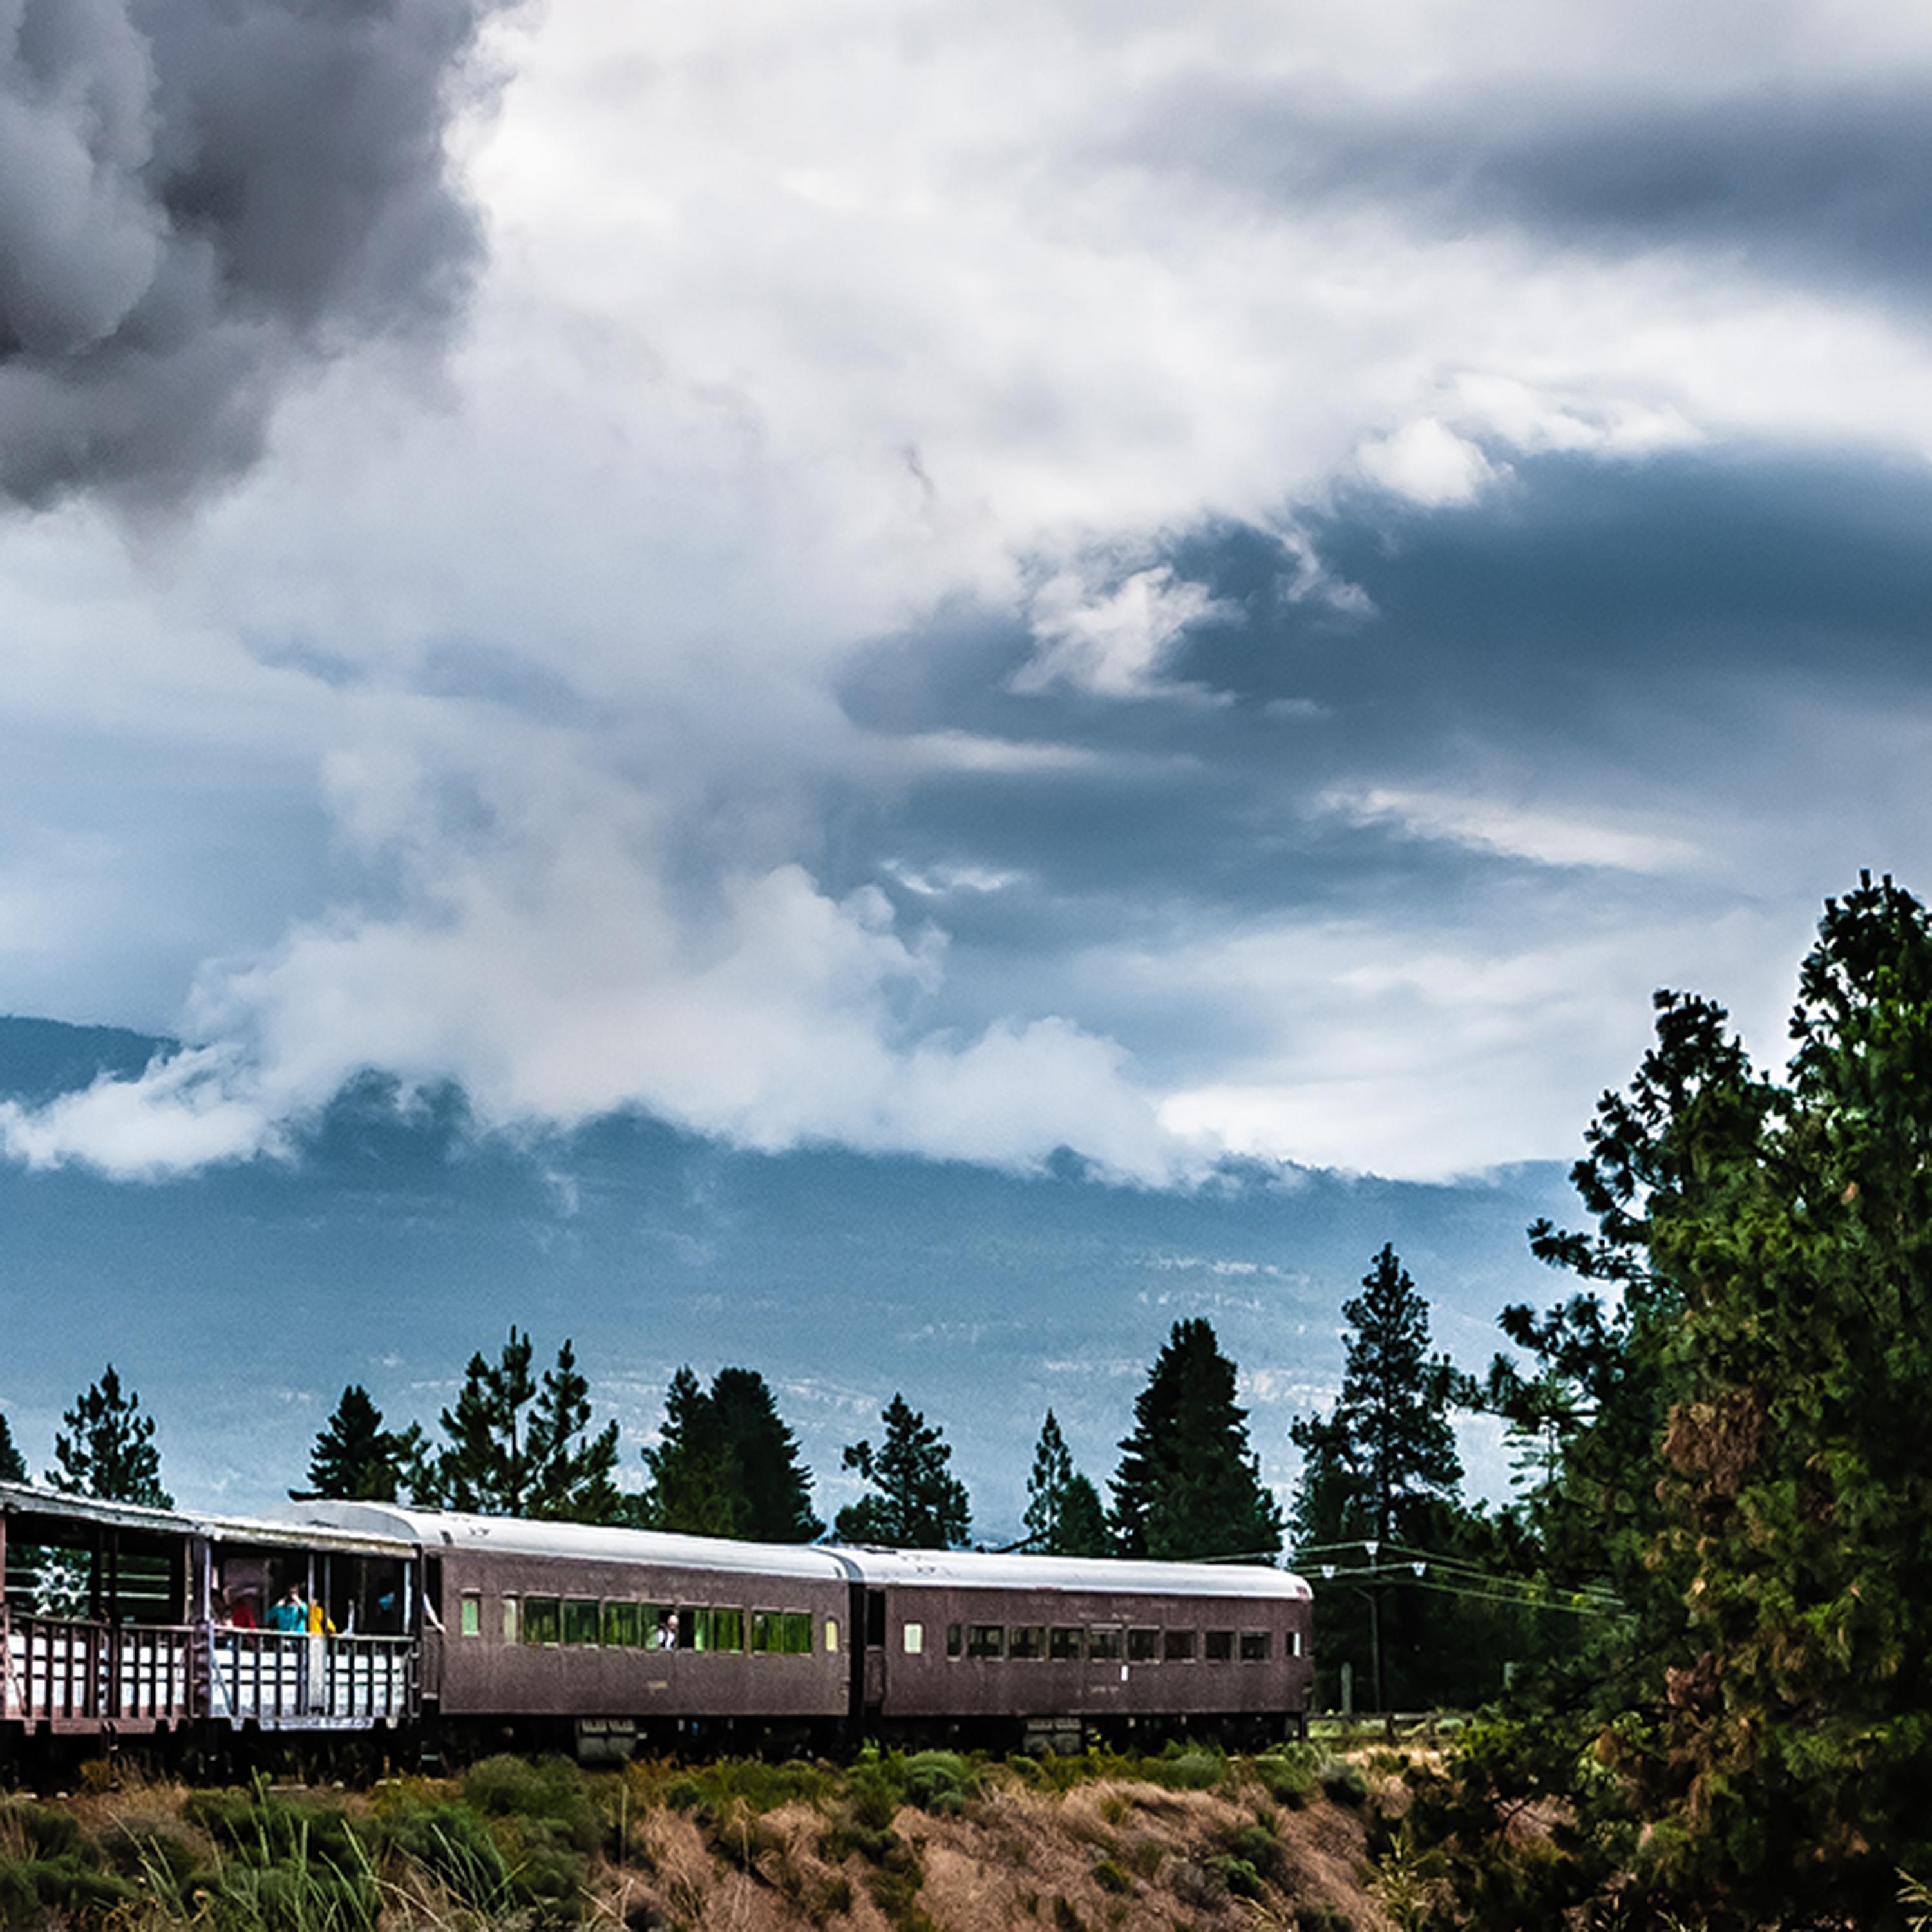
198, 199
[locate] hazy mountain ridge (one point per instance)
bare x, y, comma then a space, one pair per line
239, 1301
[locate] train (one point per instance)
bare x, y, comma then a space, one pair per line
434, 1637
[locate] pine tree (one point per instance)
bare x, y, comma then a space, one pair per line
773, 1484
692, 1490
1188, 1486
1744, 1435
108, 1449
727, 1464
1386, 1458
516, 1445
916, 1502
573, 1473
356, 1458
12, 1464
1063, 1514
1084, 1530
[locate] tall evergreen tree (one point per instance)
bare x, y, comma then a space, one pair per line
916, 1502
1383, 1463
1188, 1486
573, 1473
691, 1488
356, 1458
107, 1449
1745, 1436
727, 1464
12, 1464
518, 1446
1063, 1514
770, 1474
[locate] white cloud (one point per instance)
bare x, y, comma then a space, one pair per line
1428, 463
1549, 838
798, 327
1113, 643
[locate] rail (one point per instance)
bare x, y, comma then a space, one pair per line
63, 1671
79, 1674
288, 1681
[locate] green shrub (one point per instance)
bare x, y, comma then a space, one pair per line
551, 1792
454, 1847
1111, 1877
1316, 1916
1343, 1784
939, 1782
1257, 1847
1289, 1776
1195, 1768
1239, 1876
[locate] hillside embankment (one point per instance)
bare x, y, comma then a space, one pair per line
931, 1842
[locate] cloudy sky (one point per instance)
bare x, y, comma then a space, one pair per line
1161, 580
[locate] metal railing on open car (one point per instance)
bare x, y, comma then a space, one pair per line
288, 1681
75, 1673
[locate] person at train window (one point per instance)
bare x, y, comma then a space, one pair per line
238, 1609
290, 1613
667, 1632
319, 1622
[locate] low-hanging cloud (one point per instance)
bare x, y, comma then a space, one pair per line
198, 199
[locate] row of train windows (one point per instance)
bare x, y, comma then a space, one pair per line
588, 1621
1104, 1643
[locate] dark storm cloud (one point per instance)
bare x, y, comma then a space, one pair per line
197, 198
1625, 631
1829, 185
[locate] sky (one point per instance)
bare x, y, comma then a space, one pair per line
1152, 585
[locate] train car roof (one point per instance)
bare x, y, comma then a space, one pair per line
981, 1570
515, 1536
21, 1499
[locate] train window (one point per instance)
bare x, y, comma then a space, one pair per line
913, 1636
764, 1632
1103, 1644
1220, 1646
1028, 1642
471, 1621
543, 1620
512, 1623
1257, 1646
795, 1633
1064, 1646
581, 1619
952, 1639
1143, 1646
831, 1636
624, 1626
721, 1630
1177, 1646
1295, 1643
985, 1640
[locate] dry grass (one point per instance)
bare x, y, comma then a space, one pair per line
759, 1851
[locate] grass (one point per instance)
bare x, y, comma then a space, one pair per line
517, 1845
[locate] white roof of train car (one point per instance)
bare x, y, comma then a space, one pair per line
513, 1536
23, 1499
972, 1569
831, 1562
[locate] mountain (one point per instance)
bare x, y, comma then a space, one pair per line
400, 1239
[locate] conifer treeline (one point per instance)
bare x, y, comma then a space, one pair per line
518, 1442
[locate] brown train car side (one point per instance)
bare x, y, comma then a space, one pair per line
622, 1634
984, 1646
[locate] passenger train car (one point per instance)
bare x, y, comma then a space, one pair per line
459, 1634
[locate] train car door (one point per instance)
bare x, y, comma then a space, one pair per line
875, 1652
